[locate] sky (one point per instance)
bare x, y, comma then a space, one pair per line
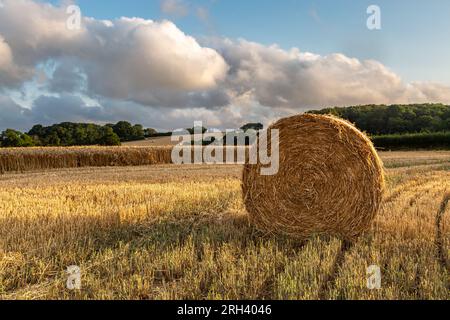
167, 63
414, 40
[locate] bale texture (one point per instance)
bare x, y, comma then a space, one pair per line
330, 181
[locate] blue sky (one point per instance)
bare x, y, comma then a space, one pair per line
414, 40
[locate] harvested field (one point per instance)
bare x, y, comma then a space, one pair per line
181, 232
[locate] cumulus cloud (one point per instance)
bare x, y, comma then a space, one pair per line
10, 73
34, 32
5, 55
150, 61
153, 73
423, 91
297, 80
124, 58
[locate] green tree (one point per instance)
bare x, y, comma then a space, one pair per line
10, 138
69, 134
108, 137
13, 138
93, 134
253, 126
37, 130
425, 123
192, 130
149, 132
54, 140
381, 119
80, 136
27, 141
138, 132
124, 130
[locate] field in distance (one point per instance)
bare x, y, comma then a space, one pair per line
181, 232
151, 142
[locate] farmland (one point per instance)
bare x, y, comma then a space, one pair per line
181, 232
29, 159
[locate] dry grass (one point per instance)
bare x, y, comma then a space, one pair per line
182, 232
399, 159
29, 159
152, 142
47, 158
38, 159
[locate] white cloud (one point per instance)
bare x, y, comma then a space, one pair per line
5, 55
147, 58
296, 80
10, 73
123, 58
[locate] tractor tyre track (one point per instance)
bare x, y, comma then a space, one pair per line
330, 279
442, 254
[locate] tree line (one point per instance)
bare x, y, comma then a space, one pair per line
394, 127
75, 134
395, 119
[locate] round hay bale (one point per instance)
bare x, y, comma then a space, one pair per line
330, 181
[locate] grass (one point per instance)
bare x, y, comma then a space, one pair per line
168, 232
29, 159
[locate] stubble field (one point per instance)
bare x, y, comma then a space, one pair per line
181, 232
